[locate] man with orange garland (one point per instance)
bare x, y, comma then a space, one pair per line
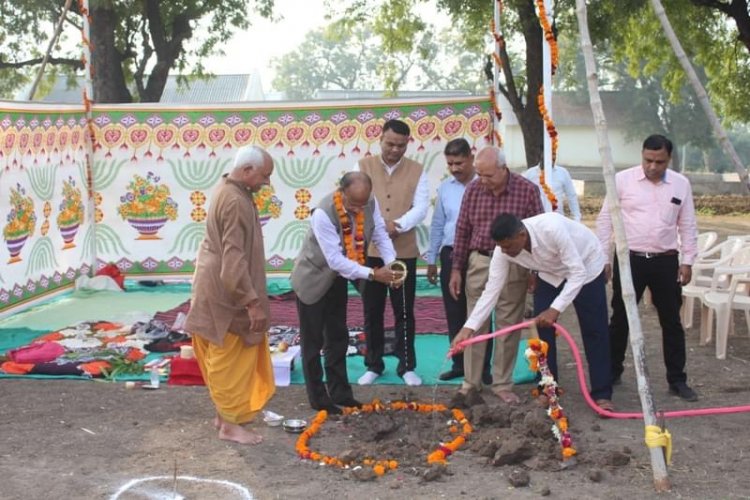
334, 251
229, 312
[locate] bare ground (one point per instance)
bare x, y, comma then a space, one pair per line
89, 440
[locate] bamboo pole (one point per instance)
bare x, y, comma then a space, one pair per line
88, 96
55, 36
547, 85
700, 91
658, 465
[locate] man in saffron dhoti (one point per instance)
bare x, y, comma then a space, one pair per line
229, 312
334, 251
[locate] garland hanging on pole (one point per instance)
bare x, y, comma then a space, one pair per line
549, 125
499, 45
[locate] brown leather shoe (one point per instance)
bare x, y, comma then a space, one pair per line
473, 398
458, 401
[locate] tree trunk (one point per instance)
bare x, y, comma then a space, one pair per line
719, 131
658, 465
156, 82
106, 60
525, 107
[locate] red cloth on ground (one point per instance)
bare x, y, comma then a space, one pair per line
113, 272
184, 372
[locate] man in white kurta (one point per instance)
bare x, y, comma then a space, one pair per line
567, 258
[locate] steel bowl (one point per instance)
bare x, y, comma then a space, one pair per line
272, 419
294, 425
273, 422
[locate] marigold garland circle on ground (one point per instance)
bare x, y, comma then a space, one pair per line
460, 428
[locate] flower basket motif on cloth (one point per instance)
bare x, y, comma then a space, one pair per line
71, 213
147, 227
15, 245
147, 206
268, 205
68, 234
21, 222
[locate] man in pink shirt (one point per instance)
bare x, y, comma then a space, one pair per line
661, 230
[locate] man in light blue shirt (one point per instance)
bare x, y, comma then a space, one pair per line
562, 185
460, 162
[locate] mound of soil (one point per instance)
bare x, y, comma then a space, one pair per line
519, 436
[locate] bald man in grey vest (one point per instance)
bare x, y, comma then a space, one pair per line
334, 251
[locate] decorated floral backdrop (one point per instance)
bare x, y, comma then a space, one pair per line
153, 170
43, 198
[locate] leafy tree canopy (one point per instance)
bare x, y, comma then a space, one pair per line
358, 55
134, 44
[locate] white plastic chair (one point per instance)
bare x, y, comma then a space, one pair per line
704, 273
737, 268
725, 303
706, 240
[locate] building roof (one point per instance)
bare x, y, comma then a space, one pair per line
215, 89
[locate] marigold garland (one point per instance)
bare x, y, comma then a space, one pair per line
459, 427
548, 34
354, 244
536, 353
552, 132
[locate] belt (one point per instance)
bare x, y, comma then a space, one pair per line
483, 252
651, 255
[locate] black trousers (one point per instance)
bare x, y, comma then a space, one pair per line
402, 302
659, 274
323, 326
455, 310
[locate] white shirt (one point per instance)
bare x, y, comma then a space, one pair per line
562, 186
330, 243
561, 250
420, 203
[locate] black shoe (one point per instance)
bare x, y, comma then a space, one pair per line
332, 409
349, 403
487, 378
682, 390
451, 374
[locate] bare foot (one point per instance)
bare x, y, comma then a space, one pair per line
509, 397
217, 422
238, 434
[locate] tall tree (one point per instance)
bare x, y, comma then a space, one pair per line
709, 41
737, 10
134, 44
718, 129
346, 57
522, 69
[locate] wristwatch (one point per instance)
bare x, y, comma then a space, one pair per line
371, 276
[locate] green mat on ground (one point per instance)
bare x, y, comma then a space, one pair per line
132, 305
431, 362
11, 338
123, 307
139, 303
